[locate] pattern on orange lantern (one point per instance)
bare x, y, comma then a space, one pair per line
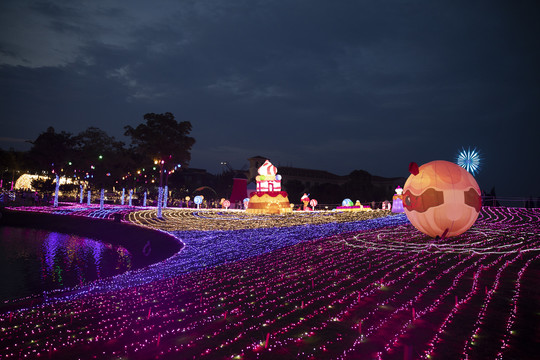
441, 198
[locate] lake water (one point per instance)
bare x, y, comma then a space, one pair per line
33, 261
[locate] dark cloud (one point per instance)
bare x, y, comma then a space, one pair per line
315, 84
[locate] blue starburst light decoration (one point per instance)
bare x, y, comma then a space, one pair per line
469, 160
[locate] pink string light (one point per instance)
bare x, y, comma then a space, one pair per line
381, 292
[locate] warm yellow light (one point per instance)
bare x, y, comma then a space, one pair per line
185, 219
24, 182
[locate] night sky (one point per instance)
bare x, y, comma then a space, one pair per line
330, 85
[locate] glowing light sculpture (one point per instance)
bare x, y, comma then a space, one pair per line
56, 188
441, 198
347, 202
348, 205
305, 200
165, 193
198, 200
469, 160
24, 182
101, 199
160, 203
397, 201
122, 198
268, 199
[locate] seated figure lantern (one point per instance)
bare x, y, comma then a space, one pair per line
305, 200
397, 201
441, 198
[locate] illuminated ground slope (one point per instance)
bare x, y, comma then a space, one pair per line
338, 289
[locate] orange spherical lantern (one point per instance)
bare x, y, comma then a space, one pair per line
441, 198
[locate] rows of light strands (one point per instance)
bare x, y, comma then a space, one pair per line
198, 256
210, 248
174, 219
381, 292
74, 209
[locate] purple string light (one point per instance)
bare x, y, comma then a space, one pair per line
367, 289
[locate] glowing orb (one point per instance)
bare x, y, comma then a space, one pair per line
347, 202
441, 199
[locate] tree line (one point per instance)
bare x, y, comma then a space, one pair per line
158, 146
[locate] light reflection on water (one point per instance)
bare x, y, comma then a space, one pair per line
33, 261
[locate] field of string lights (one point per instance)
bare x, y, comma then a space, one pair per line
313, 285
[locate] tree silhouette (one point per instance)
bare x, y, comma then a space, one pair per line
163, 141
100, 155
162, 138
12, 164
52, 150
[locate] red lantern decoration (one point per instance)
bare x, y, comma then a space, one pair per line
441, 199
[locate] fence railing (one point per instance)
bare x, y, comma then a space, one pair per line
10, 198
520, 202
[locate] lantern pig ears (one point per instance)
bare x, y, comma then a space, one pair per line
413, 168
